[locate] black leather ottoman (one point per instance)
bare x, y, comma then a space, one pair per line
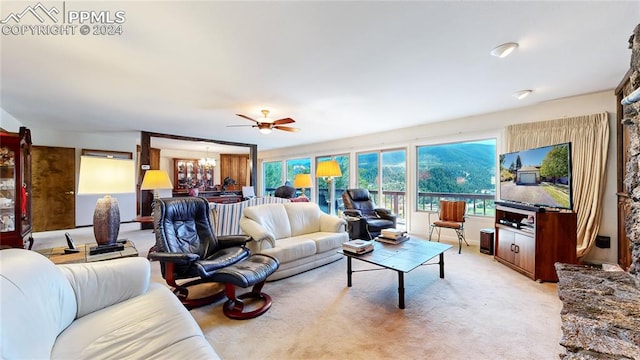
252, 271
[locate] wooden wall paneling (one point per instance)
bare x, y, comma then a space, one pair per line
234, 166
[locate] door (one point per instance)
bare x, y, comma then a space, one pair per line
505, 248
53, 179
525, 256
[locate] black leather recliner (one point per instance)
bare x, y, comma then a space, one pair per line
285, 192
187, 248
358, 203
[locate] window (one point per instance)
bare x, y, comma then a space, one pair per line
368, 171
461, 171
391, 167
272, 175
297, 166
394, 182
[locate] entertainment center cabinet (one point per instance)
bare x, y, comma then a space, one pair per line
530, 240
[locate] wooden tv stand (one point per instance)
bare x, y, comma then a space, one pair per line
531, 241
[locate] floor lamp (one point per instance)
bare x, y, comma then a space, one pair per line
328, 170
106, 176
303, 181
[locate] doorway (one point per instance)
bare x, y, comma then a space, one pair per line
53, 176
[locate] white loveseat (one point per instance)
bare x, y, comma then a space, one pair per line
298, 234
102, 310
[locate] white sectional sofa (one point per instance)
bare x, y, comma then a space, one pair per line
102, 310
298, 234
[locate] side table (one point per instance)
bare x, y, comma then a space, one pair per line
356, 227
57, 255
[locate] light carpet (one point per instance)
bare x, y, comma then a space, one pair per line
480, 310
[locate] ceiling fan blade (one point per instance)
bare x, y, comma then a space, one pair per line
286, 128
246, 117
241, 125
284, 121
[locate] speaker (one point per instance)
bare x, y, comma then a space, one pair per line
603, 242
486, 241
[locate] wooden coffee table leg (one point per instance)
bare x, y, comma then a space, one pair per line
441, 265
400, 289
349, 271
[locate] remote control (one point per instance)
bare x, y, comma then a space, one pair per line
71, 246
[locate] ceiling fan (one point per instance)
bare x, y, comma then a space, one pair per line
266, 126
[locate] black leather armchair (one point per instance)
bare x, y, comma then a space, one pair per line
187, 248
285, 192
358, 203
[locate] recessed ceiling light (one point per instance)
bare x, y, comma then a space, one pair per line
521, 94
504, 49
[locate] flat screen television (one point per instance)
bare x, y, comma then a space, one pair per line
539, 177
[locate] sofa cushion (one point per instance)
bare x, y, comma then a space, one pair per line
326, 241
152, 325
272, 217
304, 218
290, 249
34, 291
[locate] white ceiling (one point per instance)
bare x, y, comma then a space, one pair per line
339, 68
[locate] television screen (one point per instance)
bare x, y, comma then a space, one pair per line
539, 177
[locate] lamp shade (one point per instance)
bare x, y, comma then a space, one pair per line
328, 169
99, 175
105, 176
155, 180
303, 181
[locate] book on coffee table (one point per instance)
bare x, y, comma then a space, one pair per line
358, 246
392, 233
397, 240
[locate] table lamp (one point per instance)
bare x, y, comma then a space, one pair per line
328, 170
106, 176
303, 181
156, 180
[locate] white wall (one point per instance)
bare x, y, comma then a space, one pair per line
8, 122
474, 127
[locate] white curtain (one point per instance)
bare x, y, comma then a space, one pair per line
589, 137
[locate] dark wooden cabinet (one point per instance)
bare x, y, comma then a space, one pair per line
15, 189
185, 173
223, 197
531, 242
190, 173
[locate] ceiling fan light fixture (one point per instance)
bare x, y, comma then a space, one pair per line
504, 50
264, 128
521, 94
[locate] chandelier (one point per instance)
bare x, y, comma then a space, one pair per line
207, 161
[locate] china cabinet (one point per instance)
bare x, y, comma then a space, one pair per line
185, 176
190, 173
15, 189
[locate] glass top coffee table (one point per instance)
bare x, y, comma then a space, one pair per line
401, 258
